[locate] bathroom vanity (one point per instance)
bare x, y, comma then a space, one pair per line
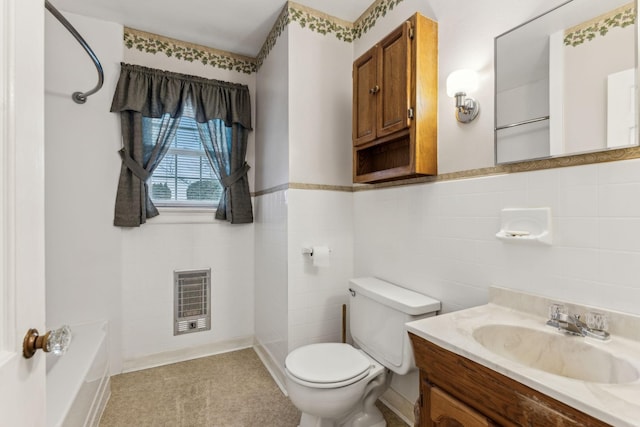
501, 365
456, 389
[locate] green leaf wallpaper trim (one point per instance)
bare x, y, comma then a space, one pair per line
319, 22
325, 24
369, 18
600, 26
154, 44
307, 18
272, 37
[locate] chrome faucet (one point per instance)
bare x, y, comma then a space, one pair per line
572, 324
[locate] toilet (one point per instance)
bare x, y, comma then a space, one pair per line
335, 384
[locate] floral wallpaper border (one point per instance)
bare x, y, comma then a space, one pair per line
587, 31
312, 19
154, 43
368, 19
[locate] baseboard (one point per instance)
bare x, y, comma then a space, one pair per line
175, 356
272, 366
399, 405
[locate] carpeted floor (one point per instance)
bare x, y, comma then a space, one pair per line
227, 390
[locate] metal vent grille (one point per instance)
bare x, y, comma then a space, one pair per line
192, 301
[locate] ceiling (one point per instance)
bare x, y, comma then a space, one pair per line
238, 26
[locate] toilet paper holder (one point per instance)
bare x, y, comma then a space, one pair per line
308, 251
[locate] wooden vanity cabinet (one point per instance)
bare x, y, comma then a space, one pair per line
456, 391
395, 85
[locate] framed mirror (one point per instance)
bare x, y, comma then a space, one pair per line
566, 82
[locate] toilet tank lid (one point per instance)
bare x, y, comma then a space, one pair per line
394, 296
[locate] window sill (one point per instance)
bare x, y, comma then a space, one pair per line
184, 215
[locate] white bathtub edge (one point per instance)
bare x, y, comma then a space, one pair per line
101, 404
68, 374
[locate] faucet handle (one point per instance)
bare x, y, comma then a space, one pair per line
556, 311
597, 321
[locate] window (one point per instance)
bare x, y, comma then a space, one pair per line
184, 177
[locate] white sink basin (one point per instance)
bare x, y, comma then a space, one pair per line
557, 354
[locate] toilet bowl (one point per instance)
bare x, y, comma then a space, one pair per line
329, 383
336, 384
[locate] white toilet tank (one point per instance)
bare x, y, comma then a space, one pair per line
378, 311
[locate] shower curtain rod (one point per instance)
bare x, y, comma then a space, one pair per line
79, 97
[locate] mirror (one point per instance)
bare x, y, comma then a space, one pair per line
566, 82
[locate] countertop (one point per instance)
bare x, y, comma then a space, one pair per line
616, 404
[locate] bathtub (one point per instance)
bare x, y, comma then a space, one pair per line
78, 382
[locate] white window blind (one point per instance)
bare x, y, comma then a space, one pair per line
184, 177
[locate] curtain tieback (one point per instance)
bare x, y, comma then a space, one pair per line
229, 180
133, 166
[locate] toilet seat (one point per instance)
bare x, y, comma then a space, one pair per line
327, 365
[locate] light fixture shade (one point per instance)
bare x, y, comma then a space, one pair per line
462, 81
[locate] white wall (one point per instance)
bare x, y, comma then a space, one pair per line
320, 98
270, 215
297, 303
316, 294
182, 241
446, 245
460, 146
439, 238
98, 271
271, 278
320, 153
435, 238
272, 128
83, 270
444, 232
151, 253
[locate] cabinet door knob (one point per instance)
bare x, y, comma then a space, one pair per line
374, 90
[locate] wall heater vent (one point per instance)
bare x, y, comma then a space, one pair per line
192, 301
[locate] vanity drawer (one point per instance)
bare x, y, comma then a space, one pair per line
493, 395
447, 411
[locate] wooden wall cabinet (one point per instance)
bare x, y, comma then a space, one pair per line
458, 392
395, 87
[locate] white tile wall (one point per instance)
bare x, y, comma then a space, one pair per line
271, 275
440, 238
316, 294
151, 253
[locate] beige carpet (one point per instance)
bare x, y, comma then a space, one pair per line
227, 390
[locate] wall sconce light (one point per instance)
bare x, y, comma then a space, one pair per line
459, 84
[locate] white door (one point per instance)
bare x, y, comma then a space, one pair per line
22, 381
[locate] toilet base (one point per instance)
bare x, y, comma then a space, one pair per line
373, 418
366, 414
358, 420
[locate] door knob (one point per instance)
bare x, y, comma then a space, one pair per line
56, 341
374, 89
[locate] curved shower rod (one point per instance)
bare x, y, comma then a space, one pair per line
79, 97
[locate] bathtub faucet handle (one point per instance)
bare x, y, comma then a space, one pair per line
56, 341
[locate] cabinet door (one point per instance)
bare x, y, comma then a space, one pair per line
365, 92
446, 411
394, 75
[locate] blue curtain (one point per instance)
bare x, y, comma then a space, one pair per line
226, 149
140, 157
